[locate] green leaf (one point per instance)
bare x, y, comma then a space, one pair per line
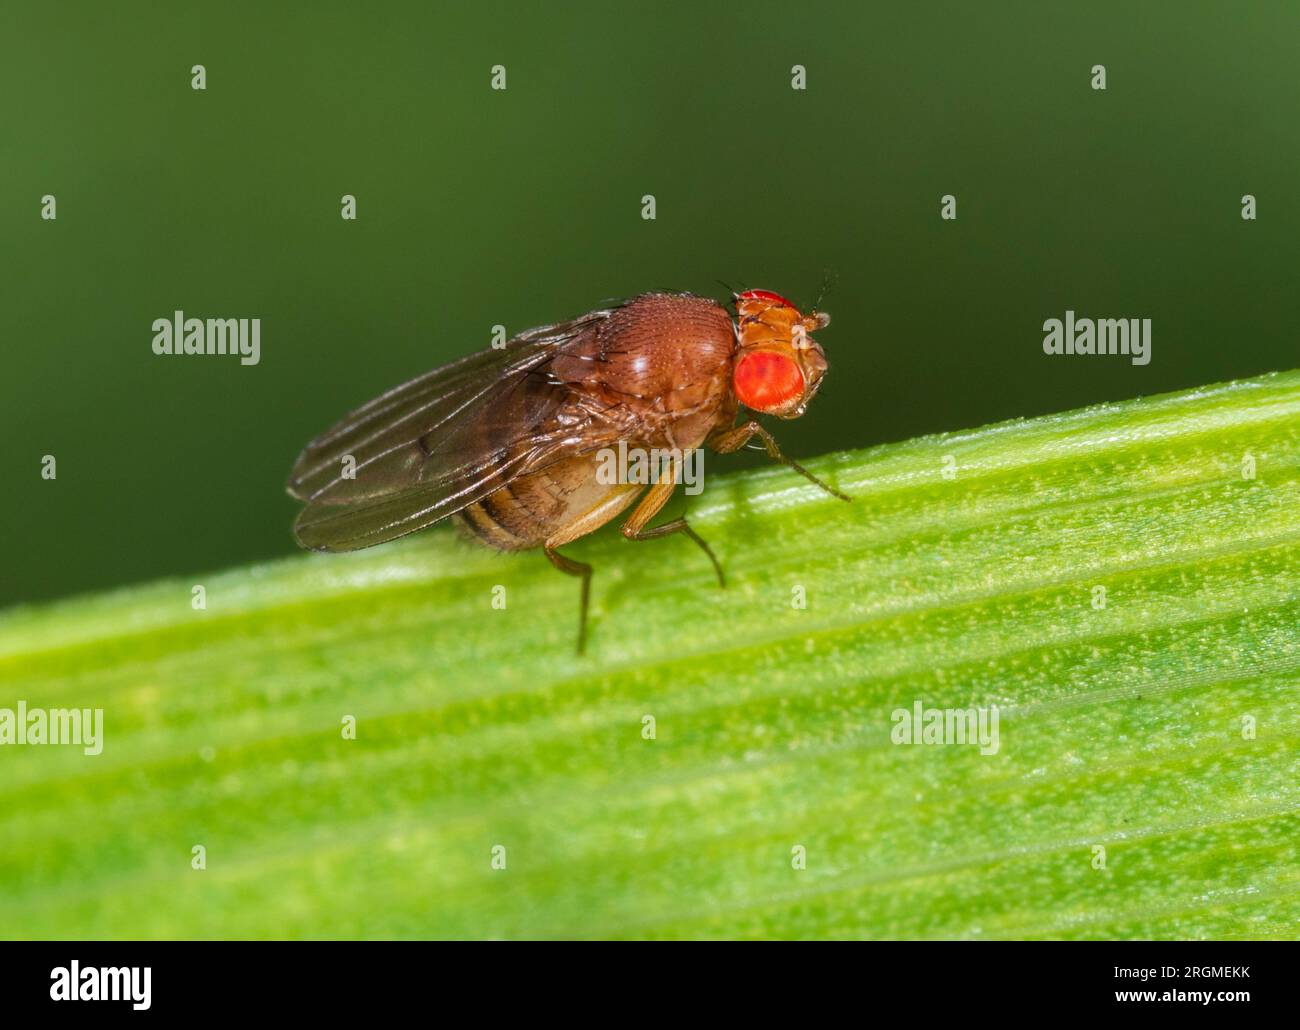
966, 572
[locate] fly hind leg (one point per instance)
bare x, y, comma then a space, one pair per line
574, 568
606, 508
635, 527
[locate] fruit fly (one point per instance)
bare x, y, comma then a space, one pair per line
505, 441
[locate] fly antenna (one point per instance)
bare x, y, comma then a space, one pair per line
729, 288
828, 280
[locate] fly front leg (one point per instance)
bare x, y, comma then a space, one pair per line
634, 527
727, 440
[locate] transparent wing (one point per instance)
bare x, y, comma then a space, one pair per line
428, 448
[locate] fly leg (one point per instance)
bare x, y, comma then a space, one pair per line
607, 508
635, 527
729, 440
574, 568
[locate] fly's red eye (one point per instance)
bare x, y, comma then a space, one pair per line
766, 381
765, 295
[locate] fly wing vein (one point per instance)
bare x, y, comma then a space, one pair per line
436, 405
437, 444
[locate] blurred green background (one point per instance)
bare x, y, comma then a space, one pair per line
523, 207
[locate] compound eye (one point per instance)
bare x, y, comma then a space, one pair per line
766, 381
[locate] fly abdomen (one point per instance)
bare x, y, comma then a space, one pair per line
501, 522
